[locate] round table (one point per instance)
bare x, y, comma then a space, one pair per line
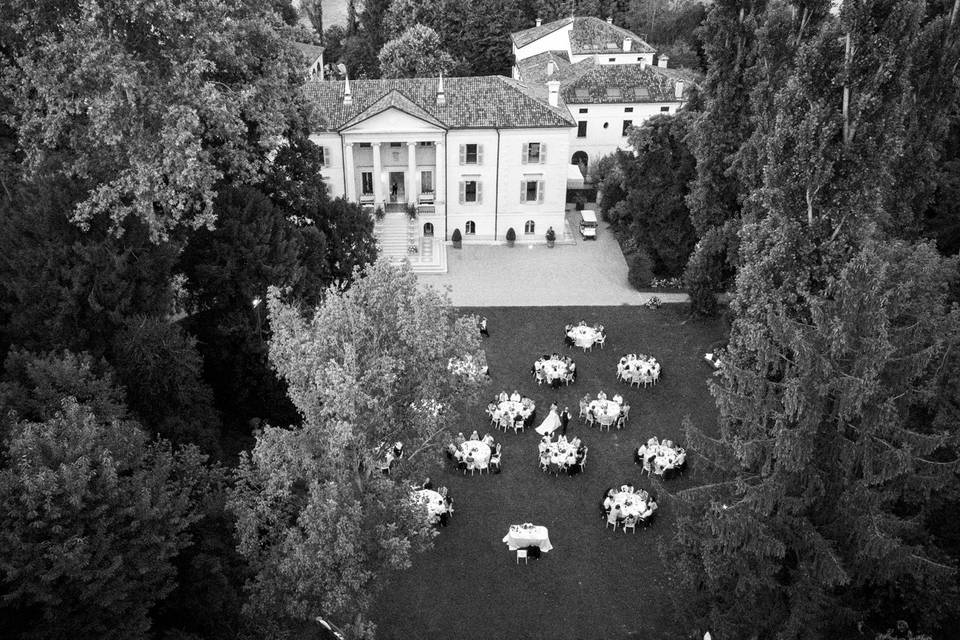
664, 458
476, 453
583, 336
552, 369
642, 368
513, 408
631, 504
432, 500
561, 453
606, 411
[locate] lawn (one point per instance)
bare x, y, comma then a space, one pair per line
594, 583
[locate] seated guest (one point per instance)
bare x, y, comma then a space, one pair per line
572, 370
491, 408
488, 440
451, 451
567, 328
601, 396
568, 341
515, 396
503, 397
398, 449
459, 440
427, 484
544, 444
483, 327
518, 421
474, 435
639, 453
618, 398
555, 356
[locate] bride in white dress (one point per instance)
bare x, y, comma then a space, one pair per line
551, 423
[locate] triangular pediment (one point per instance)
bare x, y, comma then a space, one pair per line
393, 112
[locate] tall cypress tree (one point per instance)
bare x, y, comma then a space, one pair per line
827, 468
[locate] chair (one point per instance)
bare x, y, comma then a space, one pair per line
492, 412
495, 461
635, 380
544, 464
518, 424
505, 421
612, 519
591, 418
601, 340
583, 409
482, 467
583, 462
630, 523
625, 412
646, 466
605, 422
522, 553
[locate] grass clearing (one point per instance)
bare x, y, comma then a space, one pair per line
595, 583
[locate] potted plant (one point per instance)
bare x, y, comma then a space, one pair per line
379, 213
551, 237
511, 237
457, 239
411, 212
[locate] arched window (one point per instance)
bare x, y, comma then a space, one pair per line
529, 226
580, 159
471, 227
428, 229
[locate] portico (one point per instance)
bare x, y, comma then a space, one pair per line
396, 168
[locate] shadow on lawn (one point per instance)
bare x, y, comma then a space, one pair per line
595, 583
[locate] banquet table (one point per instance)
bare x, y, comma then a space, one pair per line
665, 457
631, 505
643, 369
583, 336
606, 411
561, 453
553, 369
476, 453
433, 501
522, 536
513, 409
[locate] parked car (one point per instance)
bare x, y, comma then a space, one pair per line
588, 224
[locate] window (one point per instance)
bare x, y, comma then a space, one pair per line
395, 145
641, 93
583, 110
471, 192
428, 229
581, 92
364, 145
426, 143
471, 154
325, 156
582, 129
366, 179
611, 59
613, 92
628, 109
471, 228
665, 109
606, 125
531, 191
529, 227
426, 182
534, 153
626, 125
639, 58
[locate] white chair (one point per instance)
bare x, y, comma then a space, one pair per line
583, 409
522, 553
646, 466
583, 463
495, 461
630, 523
601, 341
483, 467
505, 421
625, 412
611, 519
635, 380
545, 464
519, 425
591, 419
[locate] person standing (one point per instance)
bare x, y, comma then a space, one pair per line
483, 327
564, 420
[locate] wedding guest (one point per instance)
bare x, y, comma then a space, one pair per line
474, 435
564, 420
483, 327
459, 440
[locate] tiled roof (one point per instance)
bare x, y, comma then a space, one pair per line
525, 37
310, 52
588, 35
533, 70
619, 83
478, 102
593, 35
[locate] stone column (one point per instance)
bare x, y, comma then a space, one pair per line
412, 172
349, 174
439, 174
377, 170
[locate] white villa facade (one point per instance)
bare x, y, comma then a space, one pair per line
482, 155
604, 76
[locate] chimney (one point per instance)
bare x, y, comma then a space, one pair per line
347, 96
441, 96
643, 63
662, 61
553, 88
627, 43
678, 90
610, 20
551, 67
539, 22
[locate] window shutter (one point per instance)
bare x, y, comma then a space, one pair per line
326, 156
479, 154
463, 158
479, 192
524, 153
463, 189
543, 153
540, 191
523, 191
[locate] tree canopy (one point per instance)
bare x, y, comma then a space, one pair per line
317, 521
415, 53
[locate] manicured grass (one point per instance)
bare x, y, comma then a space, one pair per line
595, 583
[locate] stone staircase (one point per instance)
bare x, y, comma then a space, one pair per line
396, 233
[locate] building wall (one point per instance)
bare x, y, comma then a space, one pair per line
615, 56
601, 141
559, 40
333, 171
484, 173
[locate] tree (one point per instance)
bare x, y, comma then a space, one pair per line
403, 15
828, 461
91, 514
314, 12
416, 53
657, 179
316, 520
147, 107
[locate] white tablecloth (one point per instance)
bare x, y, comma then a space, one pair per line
606, 411
584, 337
512, 409
631, 505
519, 537
552, 369
432, 500
644, 369
478, 450
664, 457
561, 453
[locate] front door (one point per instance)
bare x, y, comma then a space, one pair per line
397, 190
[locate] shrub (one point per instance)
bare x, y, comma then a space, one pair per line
639, 269
456, 237
551, 235
379, 213
511, 235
